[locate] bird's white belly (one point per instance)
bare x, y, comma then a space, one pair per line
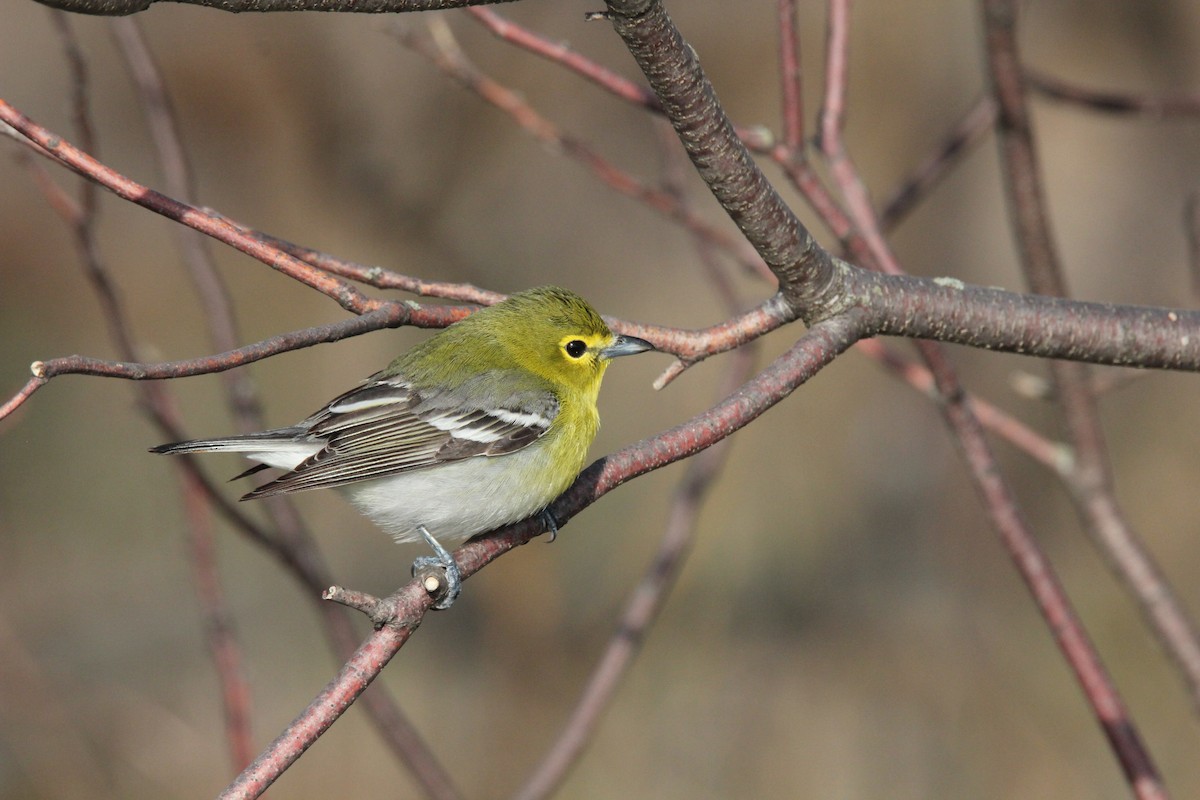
458, 500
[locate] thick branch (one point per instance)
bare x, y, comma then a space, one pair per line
948, 310
803, 268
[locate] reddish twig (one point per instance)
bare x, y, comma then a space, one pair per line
642, 609
966, 134
292, 543
444, 53
70, 156
211, 290
325, 709
561, 54
25, 392
833, 116
387, 316
219, 629
1160, 107
817, 348
1052, 601
380, 277
223, 645
1090, 481
81, 118
790, 77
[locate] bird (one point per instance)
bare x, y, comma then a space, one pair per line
479, 426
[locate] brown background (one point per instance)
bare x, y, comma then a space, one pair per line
848, 625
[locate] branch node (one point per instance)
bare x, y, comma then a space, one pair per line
432, 578
38, 368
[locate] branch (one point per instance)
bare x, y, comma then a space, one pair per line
70, 156
291, 543
642, 609
407, 606
179, 181
325, 709
81, 218
1090, 480
948, 310
803, 268
445, 54
115, 8
1155, 106
1064, 624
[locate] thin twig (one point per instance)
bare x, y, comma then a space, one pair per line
962, 138
223, 645
641, 610
818, 347
70, 156
355, 676
1064, 624
1156, 106
647, 599
998, 500
1090, 483
790, 76
443, 51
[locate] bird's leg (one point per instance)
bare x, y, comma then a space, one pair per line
443, 560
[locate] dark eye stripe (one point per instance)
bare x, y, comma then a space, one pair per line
575, 348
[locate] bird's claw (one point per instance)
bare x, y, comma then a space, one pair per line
550, 522
442, 561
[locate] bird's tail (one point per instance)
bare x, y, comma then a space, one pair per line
282, 447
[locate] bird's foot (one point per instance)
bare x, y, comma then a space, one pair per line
427, 567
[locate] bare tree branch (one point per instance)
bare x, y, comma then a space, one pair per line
1158, 107
843, 303
803, 268
817, 348
1090, 478
123, 7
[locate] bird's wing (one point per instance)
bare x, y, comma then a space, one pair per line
386, 426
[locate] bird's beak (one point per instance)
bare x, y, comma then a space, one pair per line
625, 346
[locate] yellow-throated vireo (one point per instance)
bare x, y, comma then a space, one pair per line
481, 425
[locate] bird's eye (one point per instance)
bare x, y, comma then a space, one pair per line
575, 348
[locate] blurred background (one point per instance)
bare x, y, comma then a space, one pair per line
847, 626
